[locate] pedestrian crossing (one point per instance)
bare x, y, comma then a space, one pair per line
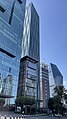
4, 117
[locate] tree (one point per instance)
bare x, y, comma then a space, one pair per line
24, 102
56, 103
59, 91
51, 104
2, 102
58, 98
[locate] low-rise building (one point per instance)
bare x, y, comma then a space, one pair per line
27, 77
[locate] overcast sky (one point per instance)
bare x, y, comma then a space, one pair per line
53, 32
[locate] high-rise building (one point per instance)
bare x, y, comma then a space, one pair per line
44, 85
31, 43
55, 78
11, 30
27, 77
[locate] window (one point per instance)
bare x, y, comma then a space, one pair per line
2, 9
11, 15
9, 54
19, 1
10, 69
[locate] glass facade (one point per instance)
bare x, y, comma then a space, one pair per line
11, 31
55, 78
31, 43
27, 77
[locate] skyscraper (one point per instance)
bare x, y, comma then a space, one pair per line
44, 85
31, 43
11, 31
55, 78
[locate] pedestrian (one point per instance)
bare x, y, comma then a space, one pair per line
23, 114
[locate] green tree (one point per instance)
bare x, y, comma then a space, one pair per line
51, 104
24, 102
2, 102
59, 91
57, 102
58, 98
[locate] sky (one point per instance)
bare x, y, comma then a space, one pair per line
53, 33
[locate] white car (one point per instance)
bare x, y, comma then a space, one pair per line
58, 115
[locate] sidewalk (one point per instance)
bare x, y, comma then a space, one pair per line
12, 114
9, 113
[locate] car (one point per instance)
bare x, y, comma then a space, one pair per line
58, 115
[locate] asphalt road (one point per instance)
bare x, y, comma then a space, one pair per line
47, 117
39, 117
3, 113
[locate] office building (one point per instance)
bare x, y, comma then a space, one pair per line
27, 77
31, 43
44, 85
11, 30
55, 78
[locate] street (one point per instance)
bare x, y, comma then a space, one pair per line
8, 113
30, 117
47, 117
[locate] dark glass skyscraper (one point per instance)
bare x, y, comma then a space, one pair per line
11, 31
31, 43
55, 77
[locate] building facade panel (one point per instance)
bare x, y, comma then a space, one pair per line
11, 31
55, 78
44, 85
31, 43
27, 77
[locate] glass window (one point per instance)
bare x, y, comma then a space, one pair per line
32, 65
31, 83
31, 71
31, 76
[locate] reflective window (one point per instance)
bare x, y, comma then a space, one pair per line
10, 45
31, 71
32, 65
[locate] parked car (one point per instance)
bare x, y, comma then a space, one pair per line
58, 115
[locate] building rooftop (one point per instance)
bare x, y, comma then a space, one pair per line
28, 58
